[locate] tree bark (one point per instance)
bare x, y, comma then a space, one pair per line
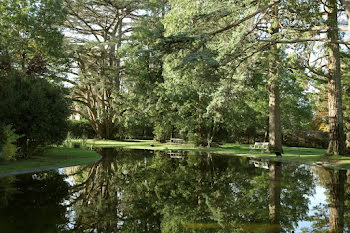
335, 112
275, 129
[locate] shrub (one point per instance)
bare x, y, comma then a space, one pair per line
80, 129
68, 142
2, 136
9, 149
195, 139
309, 138
37, 109
162, 132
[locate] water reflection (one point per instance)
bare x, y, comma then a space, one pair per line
33, 203
275, 196
207, 193
331, 215
139, 191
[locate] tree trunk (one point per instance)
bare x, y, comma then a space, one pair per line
335, 112
275, 197
275, 130
336, 206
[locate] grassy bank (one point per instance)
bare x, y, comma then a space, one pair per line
53, 158
291, 154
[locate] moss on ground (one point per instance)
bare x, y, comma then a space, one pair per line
56, 157
291, 154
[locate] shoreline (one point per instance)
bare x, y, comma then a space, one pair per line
60, 157
301, 155
54, 158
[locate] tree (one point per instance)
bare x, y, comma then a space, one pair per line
143, 71
99, 30
31, 56
336, 124
275, 128
31, 41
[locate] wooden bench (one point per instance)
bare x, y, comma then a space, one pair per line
263, 146
176, 140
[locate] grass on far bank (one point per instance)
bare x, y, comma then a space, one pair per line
55, 157
291, 154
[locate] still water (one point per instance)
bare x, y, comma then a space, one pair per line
143, 191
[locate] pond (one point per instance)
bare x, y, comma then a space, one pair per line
145, 191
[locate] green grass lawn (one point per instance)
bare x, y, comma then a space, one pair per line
53, 158
291, 154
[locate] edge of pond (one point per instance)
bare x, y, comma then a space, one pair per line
45, 169
310, 163
324, 164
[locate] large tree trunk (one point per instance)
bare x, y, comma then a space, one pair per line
275, 197
336, 206
275, 130
335, 111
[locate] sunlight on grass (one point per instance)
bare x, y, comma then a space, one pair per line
52, 158
291, 154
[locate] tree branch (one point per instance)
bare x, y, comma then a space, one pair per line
235, 24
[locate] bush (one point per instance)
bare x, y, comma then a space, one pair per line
2, 136
37, 109
9, 149
195, 139
80, 129
310, 138
68, 142
162, 133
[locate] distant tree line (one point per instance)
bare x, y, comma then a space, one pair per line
206, 71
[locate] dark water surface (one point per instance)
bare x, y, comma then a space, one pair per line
141, 191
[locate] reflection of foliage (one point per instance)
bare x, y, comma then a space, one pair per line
7, 190
135, 192
331, 217
297, 185
320, 218
33, 203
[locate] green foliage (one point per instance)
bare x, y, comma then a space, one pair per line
80, 128
82, 143
10, 148
194, 194
143, 68
68, 141
37, 109
31, 54
31, 40
2, 136
195, 139
162, 132
76, 143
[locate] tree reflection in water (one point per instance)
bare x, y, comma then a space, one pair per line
132, 191
335, 182
33, 203
138, 191
275, 196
